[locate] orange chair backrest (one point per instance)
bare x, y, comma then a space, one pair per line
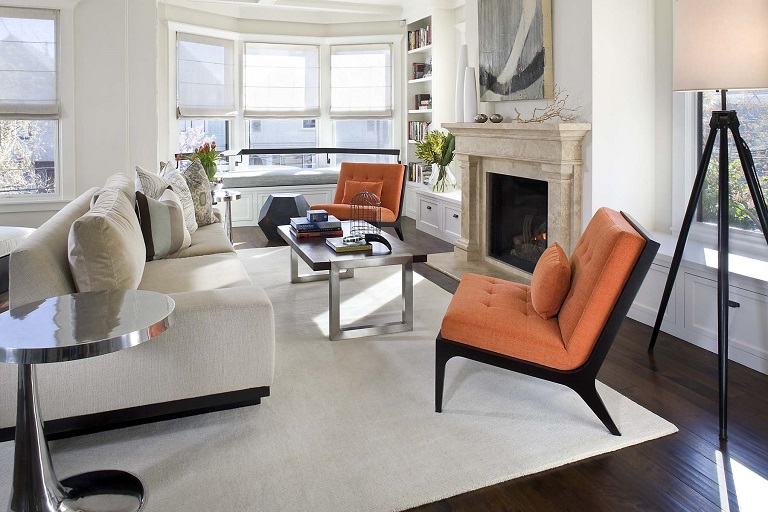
391, 175
601, 264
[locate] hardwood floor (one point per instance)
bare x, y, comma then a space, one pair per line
690, 470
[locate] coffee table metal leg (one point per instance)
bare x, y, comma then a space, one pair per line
336, 332
229, 221
313, 276
35, 486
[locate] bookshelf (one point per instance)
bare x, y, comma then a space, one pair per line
430, 69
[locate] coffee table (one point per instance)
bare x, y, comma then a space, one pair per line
63, 329
328, 265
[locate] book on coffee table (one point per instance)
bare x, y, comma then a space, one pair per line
338, 245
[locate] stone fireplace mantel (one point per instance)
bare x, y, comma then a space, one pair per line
548, 152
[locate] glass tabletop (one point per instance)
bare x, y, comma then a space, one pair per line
82, 325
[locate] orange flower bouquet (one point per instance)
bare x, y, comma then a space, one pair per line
207, 154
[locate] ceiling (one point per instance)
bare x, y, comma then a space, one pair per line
316, 11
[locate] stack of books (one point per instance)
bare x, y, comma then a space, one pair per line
316, 223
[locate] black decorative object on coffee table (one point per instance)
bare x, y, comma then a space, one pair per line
278, 211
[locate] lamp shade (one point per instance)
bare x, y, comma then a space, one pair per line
720, 44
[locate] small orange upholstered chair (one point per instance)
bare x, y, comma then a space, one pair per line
385, 180
524, 328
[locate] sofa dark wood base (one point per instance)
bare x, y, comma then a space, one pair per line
99, 422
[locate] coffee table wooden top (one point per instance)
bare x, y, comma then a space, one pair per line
316, 253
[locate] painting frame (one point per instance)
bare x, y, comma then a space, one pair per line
515, 50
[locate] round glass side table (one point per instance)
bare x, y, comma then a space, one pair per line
61, 329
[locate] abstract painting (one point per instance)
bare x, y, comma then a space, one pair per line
515, 49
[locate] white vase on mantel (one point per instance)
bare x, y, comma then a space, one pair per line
470, 95
461, 70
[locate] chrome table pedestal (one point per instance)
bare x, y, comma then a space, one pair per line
227, 196
35, 486
61, 329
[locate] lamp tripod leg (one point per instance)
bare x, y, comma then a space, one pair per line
693, 202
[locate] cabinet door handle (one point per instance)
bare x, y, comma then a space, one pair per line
429, 207
455, 215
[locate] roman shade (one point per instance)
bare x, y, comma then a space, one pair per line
361, 81
281, 80
28, 63
205, 76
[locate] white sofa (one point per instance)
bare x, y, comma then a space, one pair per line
219, 353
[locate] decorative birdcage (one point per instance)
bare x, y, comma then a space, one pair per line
365, 213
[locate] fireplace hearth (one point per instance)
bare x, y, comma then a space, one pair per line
518, 220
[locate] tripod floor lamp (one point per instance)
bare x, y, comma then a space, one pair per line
719, 45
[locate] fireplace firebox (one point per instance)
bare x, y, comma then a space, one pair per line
517, 220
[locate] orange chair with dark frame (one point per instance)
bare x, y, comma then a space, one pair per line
387, 181
525, 329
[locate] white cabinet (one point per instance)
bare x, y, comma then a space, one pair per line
245, 211
692, 311
439, 214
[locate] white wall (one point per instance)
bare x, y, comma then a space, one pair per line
623, 117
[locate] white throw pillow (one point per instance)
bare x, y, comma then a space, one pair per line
106, 247
169, 172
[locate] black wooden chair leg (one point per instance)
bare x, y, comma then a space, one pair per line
399, 232
589, 394
441, 358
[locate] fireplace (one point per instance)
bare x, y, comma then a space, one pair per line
517, 220
543, 162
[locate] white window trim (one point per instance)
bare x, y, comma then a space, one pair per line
65, 149
238, 131
685, 158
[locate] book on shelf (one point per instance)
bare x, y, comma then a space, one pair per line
304, 224
312, 234
419, 172
337, 244
417, 130
420, 70
419, 37
422, 101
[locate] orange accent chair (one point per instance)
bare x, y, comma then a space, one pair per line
495, 321
392, 179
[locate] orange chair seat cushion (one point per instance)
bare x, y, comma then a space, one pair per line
498, 316
341, 211
550, 282
352, 188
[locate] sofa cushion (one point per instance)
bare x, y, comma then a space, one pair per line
210, 239
106, 247
550, 282
120, 181
208, 272
179, 184
497, 315
200, 188
352, 188
162, 224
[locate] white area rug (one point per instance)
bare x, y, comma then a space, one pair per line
350, 425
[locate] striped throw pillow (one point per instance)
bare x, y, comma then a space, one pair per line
162, 224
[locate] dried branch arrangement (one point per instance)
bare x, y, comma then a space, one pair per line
556, 109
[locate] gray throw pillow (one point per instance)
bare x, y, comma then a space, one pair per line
169, 172
162, 224
106, 248
200, 188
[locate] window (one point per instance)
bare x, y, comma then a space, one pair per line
282, 133
281, 80
361, 99
752, 109
29, 101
